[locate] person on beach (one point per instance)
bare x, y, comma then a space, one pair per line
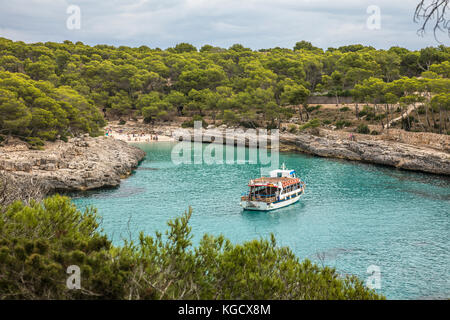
351, 137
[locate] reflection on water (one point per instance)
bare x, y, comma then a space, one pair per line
352, 215
124, 191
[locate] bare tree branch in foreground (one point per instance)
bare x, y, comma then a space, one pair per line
433, 10
14, 187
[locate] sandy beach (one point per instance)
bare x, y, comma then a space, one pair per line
139, 138
137, 132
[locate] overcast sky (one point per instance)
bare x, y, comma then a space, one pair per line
253, 23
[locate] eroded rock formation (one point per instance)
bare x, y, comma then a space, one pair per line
80, 164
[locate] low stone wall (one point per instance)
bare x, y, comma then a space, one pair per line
439, 142
432, 140
328, 100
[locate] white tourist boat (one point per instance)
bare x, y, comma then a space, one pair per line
279, 190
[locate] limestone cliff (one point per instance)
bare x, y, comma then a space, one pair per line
80, 164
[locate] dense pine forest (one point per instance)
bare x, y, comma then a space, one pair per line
56, 90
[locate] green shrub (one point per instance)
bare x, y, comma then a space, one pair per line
122, 122
346, 93
408, 121
271, 125
187, 124
190, 123
367, 111
421, 110
343, 124
362, 113
163, 115
314, 123
313, 108
344, 109
363, 128
379, 116
371, 116
230, 117
292, 128
249, 124
34, 267
34, 142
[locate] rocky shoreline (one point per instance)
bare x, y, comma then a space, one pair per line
377, 150
80, 164
87, 163
388, 153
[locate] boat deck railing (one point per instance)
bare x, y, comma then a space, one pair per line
266, 198
262, 198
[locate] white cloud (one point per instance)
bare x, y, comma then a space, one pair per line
254, 23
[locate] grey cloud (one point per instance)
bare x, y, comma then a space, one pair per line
254, 23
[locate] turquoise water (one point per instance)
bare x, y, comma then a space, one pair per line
352, 215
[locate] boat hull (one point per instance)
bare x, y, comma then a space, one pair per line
263, 206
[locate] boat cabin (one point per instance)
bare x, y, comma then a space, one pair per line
271, 189
281, 188
282, 173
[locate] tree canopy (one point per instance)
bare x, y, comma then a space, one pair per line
159, 84
36, 110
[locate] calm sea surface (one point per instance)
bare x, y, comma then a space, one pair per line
352, 215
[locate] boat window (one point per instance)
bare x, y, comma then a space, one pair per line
280, 174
